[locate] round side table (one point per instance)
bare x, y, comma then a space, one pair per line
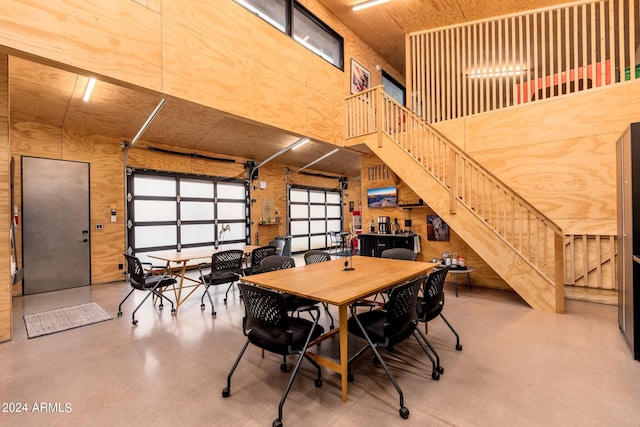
461, 271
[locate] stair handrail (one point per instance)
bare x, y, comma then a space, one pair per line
373, 110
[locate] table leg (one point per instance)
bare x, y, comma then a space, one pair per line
344, 349
469, 281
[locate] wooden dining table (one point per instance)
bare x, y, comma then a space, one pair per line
331, 283
182, 259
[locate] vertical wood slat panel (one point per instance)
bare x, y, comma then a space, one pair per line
594, 46
622, 63
632, 40
585, 47
547, 52
612, 40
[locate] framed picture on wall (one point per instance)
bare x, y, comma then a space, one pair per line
360, 77
437, 229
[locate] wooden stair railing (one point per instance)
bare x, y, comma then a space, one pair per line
530, 245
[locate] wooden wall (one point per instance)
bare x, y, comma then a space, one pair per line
217, 54
558, 154
5, 282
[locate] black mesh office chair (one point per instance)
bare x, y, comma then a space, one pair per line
396, 253
257, 255
267, 325
388, 327
313, 257
147, 280
294, 302
399, 253
226, 267
431, 303
279, 244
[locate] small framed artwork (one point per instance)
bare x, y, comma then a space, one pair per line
360, 77
437, 229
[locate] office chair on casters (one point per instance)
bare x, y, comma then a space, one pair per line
313, 257
226, 267
399, 253
431, 303
396, 253
267, 325
279, 244
388, 327
146, 281
257, 255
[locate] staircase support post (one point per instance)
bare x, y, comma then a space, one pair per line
559, 271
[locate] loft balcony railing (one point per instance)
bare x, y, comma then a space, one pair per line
502, 62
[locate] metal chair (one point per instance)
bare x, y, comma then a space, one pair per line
399, 253
226, 267
313, 257
279, 244
257, 255
431, 303
147, 281
388, 327
267, 325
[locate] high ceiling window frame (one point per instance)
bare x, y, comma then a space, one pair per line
293, 19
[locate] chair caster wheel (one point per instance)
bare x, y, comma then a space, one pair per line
213, 313
284, 367
226, 392
435, 376
404, 413
201, 306
318, 382
161, 306
173, 311
135, 322
459, 347
440, 369
277, 423
350, 377
225, 301
119, 314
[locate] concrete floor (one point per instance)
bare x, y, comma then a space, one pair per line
518, 367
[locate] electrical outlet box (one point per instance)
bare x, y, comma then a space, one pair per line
120, 267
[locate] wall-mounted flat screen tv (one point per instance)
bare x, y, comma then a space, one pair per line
386, 197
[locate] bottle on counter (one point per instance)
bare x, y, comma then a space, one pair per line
372, 227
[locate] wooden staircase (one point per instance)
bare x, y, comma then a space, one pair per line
521, 245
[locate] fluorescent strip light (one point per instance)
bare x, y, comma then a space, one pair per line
498, 72
89, 89
319, 159
300, 143
368, 4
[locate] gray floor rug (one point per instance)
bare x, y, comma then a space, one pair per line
63, 319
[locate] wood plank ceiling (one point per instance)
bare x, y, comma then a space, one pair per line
51, 96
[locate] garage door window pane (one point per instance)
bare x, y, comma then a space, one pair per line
196, 188
196, 233
155, 235
154, 210
154, 186
196, 211
231, 191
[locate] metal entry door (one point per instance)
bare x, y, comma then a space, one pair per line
55, 228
